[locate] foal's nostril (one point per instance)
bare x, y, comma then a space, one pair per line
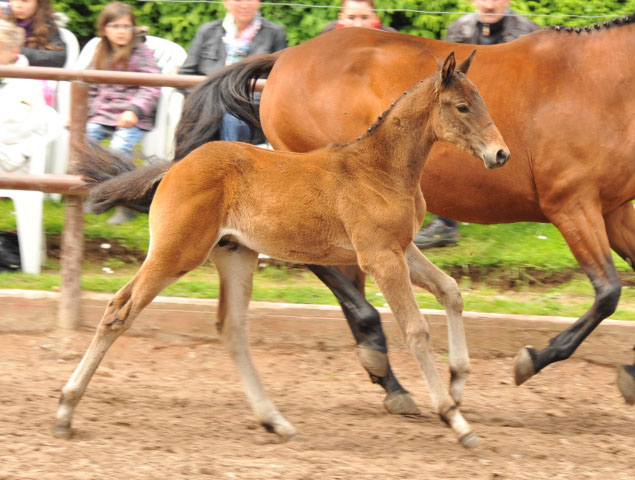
502, 156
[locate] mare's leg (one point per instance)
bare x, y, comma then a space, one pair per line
365, 324
584, 231
389, 270
425, 274
620, 227
236, 265
180, 242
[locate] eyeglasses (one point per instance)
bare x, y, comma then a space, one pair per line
118, 26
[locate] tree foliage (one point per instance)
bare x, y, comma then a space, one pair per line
178, 21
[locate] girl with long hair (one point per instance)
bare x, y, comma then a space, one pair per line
123, 113
43, 45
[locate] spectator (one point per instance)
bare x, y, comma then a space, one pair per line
357, 13
43, 46
492, 23
25, 119
123, 113
5, 10
242, 32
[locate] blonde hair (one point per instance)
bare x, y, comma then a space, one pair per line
11, 36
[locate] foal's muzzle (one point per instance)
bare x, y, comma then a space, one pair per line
496, 157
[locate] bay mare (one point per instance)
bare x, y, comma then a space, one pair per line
354, 203
562, 98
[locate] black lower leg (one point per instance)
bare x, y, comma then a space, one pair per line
565, 343
363, 320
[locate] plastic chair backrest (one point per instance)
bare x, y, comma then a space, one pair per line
72, 47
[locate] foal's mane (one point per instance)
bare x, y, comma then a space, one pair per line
615, 22
381, 117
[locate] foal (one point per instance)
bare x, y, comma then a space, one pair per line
357, 203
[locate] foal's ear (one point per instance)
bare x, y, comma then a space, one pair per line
465, 64
447, 69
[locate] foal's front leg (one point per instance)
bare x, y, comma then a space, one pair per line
424, 274
236, 265
390, 271
365, 324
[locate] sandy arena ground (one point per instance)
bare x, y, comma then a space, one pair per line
168, 405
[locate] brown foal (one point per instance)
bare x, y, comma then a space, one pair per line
355, 203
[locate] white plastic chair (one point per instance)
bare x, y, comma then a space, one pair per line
169, 56
28, 205
56, 161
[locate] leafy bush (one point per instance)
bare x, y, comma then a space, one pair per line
178, 21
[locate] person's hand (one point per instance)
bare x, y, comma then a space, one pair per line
127, 119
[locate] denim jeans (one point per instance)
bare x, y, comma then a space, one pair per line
234, 129
122, 140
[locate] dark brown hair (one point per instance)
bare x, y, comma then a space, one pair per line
106, 56
43, 28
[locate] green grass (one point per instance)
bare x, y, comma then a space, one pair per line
522, 268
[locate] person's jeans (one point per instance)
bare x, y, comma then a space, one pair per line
234, 129
122, 140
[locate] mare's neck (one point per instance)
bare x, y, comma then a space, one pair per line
399, 142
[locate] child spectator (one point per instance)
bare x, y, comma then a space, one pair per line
123, 113
43, 46
25, 119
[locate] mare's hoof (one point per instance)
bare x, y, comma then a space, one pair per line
401, 404
523, 366
62, 431
626, 382
374, 361
470, 440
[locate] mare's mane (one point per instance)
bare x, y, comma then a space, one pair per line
615, 22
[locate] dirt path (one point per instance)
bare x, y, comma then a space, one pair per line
162, 408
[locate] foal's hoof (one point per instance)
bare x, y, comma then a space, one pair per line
401, 404
470, 440
626, 382
284, 430
62, 431
524, 366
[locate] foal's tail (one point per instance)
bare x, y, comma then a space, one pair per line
115, 180
229, 90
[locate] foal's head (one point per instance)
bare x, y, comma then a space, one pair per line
460, 116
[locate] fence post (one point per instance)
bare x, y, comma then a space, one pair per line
72, 248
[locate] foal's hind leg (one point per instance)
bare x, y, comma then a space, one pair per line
365, 324
620, 228
236, 265
171, 256
425, 274
390, 271
119, 316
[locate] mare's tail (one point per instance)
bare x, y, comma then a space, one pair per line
115, 180
229, 90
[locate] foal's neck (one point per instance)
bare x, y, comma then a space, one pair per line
399, 141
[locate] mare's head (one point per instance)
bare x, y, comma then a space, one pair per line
460, 117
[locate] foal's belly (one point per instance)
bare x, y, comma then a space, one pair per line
296, 244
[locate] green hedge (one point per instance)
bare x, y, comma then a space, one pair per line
179, 21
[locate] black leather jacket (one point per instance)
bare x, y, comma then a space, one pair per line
465, 28
207, 51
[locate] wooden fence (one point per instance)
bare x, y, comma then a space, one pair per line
72, 247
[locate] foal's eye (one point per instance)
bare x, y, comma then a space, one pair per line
462, 108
